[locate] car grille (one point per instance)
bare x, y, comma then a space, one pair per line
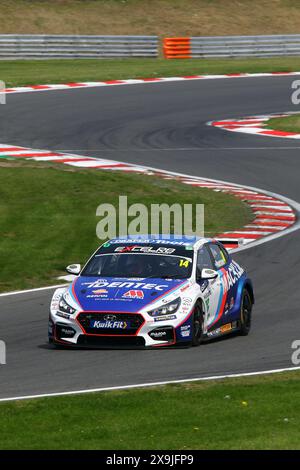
102, 323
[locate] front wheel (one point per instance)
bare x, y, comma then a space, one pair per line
198, 325
246, 313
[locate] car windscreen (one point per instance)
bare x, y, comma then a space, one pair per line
139, 265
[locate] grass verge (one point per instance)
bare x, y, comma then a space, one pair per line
245, 413
161, 17
48, 215
286, 124
31, 72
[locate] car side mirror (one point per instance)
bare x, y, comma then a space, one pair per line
208, 274
73, 269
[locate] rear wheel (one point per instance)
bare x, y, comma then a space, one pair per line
198, 324
246, 313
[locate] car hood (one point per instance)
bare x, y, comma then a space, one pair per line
121, 294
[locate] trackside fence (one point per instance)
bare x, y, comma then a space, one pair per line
231, 46
25, 46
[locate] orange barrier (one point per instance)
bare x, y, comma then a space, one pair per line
177, 48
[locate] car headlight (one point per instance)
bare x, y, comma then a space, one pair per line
167, 309
63, 306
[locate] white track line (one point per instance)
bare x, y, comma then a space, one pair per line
27, 291
149, 384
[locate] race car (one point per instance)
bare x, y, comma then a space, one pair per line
152, 292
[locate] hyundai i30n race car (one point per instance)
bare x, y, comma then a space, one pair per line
152, 292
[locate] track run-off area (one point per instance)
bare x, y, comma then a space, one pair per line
162, 125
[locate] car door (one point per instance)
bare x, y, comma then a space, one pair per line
221, 293
210, 288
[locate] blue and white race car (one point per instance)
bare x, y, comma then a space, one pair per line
152, 292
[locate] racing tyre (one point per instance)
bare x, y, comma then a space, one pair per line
198, 325
246, 313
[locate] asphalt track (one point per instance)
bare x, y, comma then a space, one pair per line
161, 125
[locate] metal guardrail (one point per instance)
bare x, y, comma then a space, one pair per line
232, 46
26, 46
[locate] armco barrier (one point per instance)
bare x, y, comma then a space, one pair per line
177, 48
26, 46
232, 46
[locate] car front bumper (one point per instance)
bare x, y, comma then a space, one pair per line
144, 332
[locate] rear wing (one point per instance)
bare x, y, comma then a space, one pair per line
231, 243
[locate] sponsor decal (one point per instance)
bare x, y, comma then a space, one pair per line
186, 301
128, 284
158, 334
98, 297
152, 241
225, 328
162, 334
207, 293
185, 331
122, 325
185, 334
100, 291
214, 332
67, 331
231, 303
134, 294
165, 317
185, 327
185, 288
63, 315
234, 273
144, 249
203, 285
185, 310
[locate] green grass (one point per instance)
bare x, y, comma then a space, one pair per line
48, 215
17, 73
286, 124
248, 413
